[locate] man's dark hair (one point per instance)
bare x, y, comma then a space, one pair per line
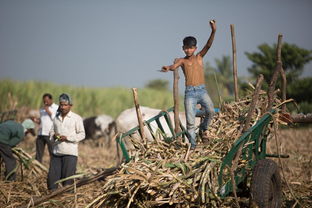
47, 95
65, 98
189, 41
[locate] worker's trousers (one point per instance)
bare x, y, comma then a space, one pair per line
61, 166
197, 95
9, 161
41, 141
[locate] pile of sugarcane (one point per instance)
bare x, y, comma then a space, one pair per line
32, 191
30, 187
29, 183
170, 175
27, 162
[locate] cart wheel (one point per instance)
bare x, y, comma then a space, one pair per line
266, 188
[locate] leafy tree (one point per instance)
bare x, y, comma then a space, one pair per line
293, 58
158, 84
301, 90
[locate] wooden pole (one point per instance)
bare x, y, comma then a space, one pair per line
281, 70
279, 48
139, 115
284, 87
254, 101
176, 101
295, 118
301, 118
234, 62
278, 69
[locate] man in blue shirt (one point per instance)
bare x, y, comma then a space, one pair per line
12, 133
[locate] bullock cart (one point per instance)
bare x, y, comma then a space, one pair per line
245, 168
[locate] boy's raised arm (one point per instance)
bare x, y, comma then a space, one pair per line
177, 63
213, 26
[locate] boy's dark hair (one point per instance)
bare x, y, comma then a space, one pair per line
47, 95
189, 41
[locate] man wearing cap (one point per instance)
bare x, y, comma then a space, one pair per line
65, 134
12, 133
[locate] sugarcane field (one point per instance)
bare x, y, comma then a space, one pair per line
252, 142
165, 172
115, 104
162, 174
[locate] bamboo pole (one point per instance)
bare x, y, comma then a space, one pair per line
281, 70
278, 69
234, 62
176, 78
139, 115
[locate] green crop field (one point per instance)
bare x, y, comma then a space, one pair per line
87, 101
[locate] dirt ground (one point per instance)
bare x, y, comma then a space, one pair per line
295, 142
297, 169
92, 157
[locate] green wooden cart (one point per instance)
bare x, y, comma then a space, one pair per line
261, 173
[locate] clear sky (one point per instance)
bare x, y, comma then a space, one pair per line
108, 43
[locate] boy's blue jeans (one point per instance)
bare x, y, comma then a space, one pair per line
197, 95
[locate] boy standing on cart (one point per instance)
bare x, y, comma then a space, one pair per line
195, 90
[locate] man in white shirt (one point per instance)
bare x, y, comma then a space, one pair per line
66, 132
47, 114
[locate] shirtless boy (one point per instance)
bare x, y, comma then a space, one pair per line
195, 90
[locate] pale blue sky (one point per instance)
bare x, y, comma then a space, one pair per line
123, 43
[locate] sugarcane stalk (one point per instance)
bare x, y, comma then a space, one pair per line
131, 198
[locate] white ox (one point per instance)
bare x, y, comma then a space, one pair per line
128, 120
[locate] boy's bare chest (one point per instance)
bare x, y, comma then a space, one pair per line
191, 64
